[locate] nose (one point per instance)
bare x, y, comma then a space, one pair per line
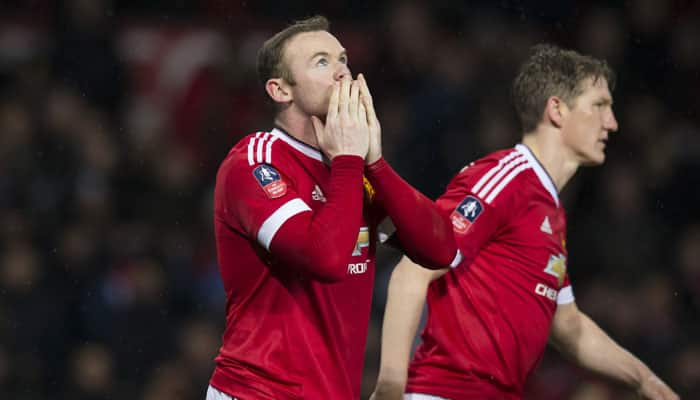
342, 71
610, 122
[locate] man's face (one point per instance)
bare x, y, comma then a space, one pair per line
315, 60
589, 122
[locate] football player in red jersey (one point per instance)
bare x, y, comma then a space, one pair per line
490, 317
295, 215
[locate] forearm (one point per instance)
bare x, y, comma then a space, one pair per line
407, 290
320, 243
594, 350
423, 231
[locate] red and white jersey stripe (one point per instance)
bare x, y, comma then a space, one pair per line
260, 147
511, 165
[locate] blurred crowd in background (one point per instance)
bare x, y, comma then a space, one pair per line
114, 116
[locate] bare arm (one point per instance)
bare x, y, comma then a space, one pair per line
407, 290
577, 337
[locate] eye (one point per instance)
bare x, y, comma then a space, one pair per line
322, 62
343, 59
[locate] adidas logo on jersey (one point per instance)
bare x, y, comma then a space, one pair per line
317, 194
546, 227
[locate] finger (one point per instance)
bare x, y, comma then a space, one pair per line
354, 100
333, 102
344, 96
362, 114
367, 99
364, 89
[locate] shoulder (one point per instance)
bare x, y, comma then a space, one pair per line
257, 162
497, 176
251, 152
256, 148
479, 173
481, 166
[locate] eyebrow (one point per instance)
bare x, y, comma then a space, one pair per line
326, 54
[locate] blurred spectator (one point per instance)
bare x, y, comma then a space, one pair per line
688, 253
171, 381
686, 370
84, 57
92, 373
199, 343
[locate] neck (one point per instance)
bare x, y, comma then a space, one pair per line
550, 152
297, 125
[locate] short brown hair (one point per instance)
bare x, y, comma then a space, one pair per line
271, 54
552, 71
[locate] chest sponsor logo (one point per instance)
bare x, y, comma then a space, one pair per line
270, 180
546, 227
546, 291
556, 266
317, 194
358, 268
465, 214
362, 241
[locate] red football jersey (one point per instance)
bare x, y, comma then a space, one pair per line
489, 317
288, 336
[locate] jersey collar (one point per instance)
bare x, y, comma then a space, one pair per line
541, 173
297, 144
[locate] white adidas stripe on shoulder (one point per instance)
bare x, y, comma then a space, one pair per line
515, 162
261, 144
522, 167
493, 170
268, 150
251, 147
260, 148
499, 176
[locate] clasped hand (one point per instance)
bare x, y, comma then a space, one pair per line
351, 126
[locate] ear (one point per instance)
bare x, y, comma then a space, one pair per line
555, 111
278, 90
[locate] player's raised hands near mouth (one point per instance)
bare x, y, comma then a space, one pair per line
375, 129
346, 131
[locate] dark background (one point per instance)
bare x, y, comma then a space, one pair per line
114, 116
